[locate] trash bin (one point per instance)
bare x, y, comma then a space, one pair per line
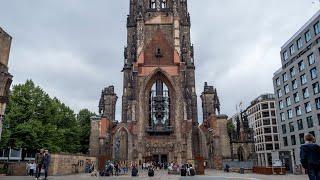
241, 170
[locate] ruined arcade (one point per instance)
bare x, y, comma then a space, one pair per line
159, 102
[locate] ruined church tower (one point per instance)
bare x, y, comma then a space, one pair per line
159, 102
159, 119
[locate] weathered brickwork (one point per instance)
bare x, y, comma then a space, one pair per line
5, 76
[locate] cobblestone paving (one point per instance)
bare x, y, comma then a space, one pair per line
162, 175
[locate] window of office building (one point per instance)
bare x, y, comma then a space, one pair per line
278, 82
281, 104
291, 127
318, 115
294, 85
286, 89
317, 103
266, 114
315, 88
266, 122
313, 73
299, 43
282, 116
272, 105
308, 36
265, 106
303, 79
284, 129
305, 93
300, 124
298, 111
292, 72
275, 130
285, 141
288, 101
285, 55
274, 121
269, 147
310, 122
308, 107
312, 133
301, 66
279, 93
301, 138
311, 59
290, 114
317, 28
285, 77
292, 50
293, 140
296, 97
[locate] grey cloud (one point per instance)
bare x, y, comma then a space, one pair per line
74, 48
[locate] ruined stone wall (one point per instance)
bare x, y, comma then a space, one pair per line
94, 137
5, 44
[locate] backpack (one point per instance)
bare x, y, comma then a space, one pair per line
134, 172
192, 172
183, 172
150, 172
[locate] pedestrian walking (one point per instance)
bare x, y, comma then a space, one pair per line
116, 167
39, 162
46, 163
310, 157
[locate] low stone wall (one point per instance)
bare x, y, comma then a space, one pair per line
64, 164
61, 164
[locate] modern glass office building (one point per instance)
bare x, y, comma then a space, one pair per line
297, 89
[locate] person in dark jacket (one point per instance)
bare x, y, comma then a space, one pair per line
39, 162
310, 157
46, 163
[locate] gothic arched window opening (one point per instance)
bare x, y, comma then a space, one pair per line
159, 106
153, 4
164, 4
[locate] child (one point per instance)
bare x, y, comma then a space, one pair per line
33, 168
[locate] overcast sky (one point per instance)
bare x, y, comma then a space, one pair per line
74, 48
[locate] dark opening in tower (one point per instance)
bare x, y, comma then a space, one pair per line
159, 109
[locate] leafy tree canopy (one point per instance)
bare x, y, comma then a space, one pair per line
34, 120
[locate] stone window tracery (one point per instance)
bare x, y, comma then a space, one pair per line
163, 4
153, 4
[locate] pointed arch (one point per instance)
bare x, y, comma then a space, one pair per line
159, 74
159, 103
121, 144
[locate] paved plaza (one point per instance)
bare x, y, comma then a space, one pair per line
162, 175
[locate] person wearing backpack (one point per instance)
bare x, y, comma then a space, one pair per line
134, 171
310, 157
192, 172
150, 171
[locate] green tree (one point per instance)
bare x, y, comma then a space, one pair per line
34, 120
230, 127
83, 118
